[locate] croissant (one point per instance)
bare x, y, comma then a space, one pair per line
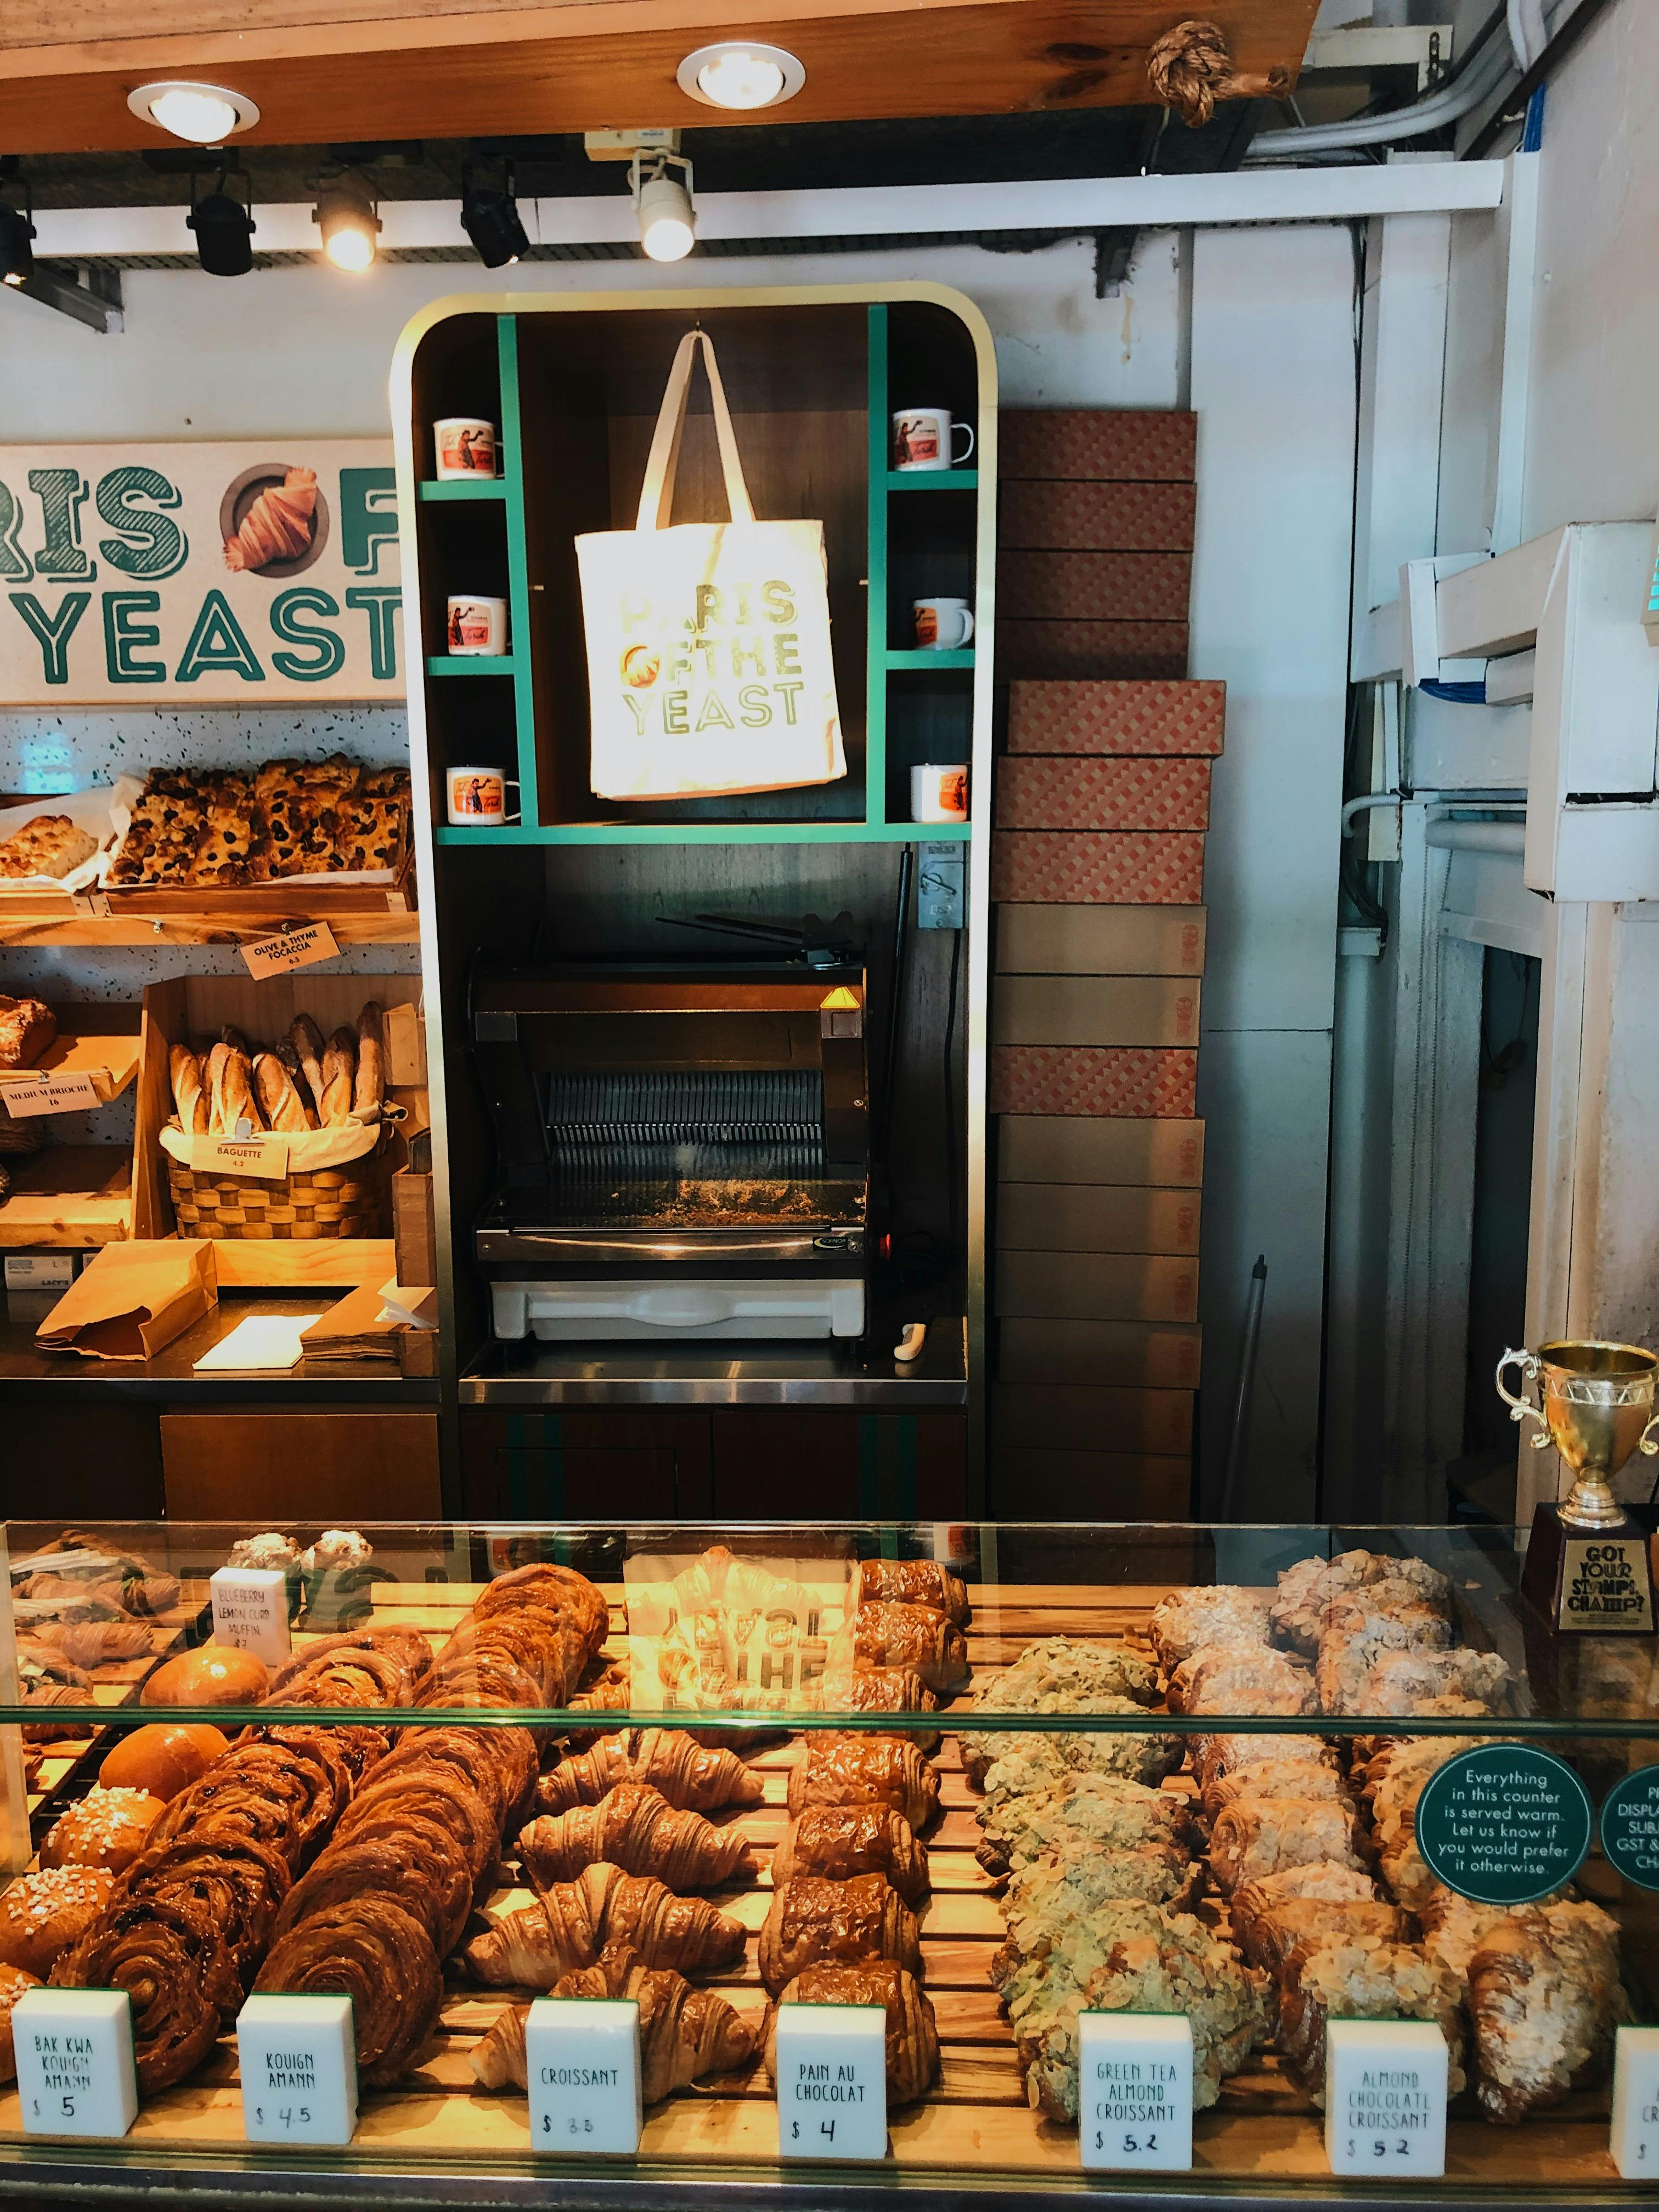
886, 1634
684, 2032
912, 2032
843, 1924
668, 1759
371, 1949
865, 1770
635, 1827
913, 1582
571, 1921
843, 1840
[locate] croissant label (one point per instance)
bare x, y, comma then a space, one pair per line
585, 2084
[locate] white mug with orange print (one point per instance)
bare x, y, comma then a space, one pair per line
921, 439
942, 625
939, 793
464, 446
476, 797
476, 625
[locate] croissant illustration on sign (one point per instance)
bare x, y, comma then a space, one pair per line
274, 521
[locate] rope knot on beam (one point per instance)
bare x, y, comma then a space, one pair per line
1191, 70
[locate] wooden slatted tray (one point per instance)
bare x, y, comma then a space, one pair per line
975, 2117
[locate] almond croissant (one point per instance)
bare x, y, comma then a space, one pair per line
683, 2033
669, 1760
572, 1922
637, 1828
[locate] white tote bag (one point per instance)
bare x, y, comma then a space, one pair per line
709, 662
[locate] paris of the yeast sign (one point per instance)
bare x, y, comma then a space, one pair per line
147, 574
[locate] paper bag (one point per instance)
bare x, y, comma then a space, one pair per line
710, 667
131, 1299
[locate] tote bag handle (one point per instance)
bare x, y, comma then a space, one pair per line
657, 493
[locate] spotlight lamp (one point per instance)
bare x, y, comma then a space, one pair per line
224, 229
668, 222
490, 216
202, 114
16, 237
741, 74
346, 215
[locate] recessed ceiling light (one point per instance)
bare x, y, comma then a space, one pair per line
205, 114
741, 74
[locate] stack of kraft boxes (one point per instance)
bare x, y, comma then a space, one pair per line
1103, 793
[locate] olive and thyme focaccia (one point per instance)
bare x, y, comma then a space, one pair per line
48, 845
167, 825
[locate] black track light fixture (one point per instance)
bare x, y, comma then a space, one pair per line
490, 216
16, 234
224, 229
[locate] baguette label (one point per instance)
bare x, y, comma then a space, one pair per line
586, 2089
250, 1611
75, 2068
289, 949
50, 1094
1134, 2092
265, 1153
298, 2063
831, 2074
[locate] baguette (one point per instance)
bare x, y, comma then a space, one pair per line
306, 1040
232, 1098
368, 1094
296, 1075
213, 1076
188, 1095
339, 1071
233, 1036
278, 1099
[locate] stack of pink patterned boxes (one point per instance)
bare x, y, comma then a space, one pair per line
1097, 873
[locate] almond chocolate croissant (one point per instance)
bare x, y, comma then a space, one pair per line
815, 1921
886, 1634
382, 1961
571, 1923
637, 1828
865, 1770
689, 1776
912, 2032
684, 2032
843, 1840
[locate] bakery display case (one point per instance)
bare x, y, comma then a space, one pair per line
1284, 1799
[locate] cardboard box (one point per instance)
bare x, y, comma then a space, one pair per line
1087, 587
1097, 867
1170, 719
1094, 1010
1066, 1148
1080, 790
414, 1236
1069, 1216
1137, 1081
1119, 651
1126, 444
1099, 940
1034, 1484
1088, 1417
1127, 518
1134, 1354
1095, 1287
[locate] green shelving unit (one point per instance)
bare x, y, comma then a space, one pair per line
882, 661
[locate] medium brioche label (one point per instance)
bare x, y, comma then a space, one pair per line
263, 1153
290, 948
50, 1094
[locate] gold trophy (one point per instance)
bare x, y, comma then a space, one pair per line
1588, 1566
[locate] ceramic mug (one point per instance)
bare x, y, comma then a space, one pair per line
476, 798
476, 625
465, 446
939, 793
942, 625
921, 439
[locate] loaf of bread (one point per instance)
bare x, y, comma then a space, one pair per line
368, 1092
105, 1828
189, 1096
211, 1676
42, 1914
162, 1758
339, 1076
28, 1026
279, 1101
306, 1040
296, 1075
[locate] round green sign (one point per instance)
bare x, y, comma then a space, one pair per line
1504, 1824
1630, 1827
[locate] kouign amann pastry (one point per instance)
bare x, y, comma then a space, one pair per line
815, 1921
383, 1960
912, 2031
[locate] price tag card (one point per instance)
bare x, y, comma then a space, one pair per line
831, 2074
50, 1094
290, 948
297, 2057
74, 2054
39, 1271
583, 2056
262, 1152
1135, 2091
1385, 2097
250, 1611
1635, 2143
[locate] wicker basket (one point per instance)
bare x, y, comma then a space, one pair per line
304, 1205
